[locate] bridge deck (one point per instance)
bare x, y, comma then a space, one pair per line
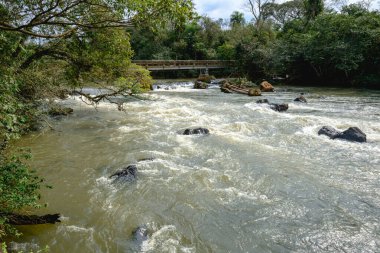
182, 64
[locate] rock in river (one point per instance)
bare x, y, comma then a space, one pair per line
329, 131
301, 99
128, 173
199, 130
351, 134
140, 234
279, 107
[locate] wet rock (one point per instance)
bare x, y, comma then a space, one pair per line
266, 87
199, 130
128, 173
254, 92
200, 85
279, 107
353, 134
301, 99
140, 234
329, 131
262, 101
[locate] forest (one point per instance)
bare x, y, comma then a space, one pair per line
48, 48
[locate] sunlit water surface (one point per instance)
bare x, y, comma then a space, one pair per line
262, 181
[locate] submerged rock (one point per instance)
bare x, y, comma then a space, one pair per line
351, 134
128, 173
273, 106
199, 130
140, 234
262, 101
301, 99
279, 107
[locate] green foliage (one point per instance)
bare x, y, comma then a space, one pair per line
19, 188
237, 18
333, 49
313, 8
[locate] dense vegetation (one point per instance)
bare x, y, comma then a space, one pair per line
304, 40
48, 47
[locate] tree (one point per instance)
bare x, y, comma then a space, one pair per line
313, 8
282, 13
256, 8
237, 18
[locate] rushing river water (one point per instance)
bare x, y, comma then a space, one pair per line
262, 181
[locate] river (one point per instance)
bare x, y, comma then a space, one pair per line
262, 181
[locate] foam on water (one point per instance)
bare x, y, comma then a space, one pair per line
261, 181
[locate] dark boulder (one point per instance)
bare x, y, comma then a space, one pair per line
329, 131
279, 107
129, 173
199, 130
353, 134
301, 99
262, 101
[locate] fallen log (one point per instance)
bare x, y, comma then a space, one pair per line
20, 219
235, 88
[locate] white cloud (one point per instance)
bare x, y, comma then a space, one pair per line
221, 8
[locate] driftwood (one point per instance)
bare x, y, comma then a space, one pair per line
234, 88
20, 219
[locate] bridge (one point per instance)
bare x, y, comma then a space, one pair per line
155, 65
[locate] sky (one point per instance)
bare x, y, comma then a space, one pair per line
223, 8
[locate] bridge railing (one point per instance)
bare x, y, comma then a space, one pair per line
175, 64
